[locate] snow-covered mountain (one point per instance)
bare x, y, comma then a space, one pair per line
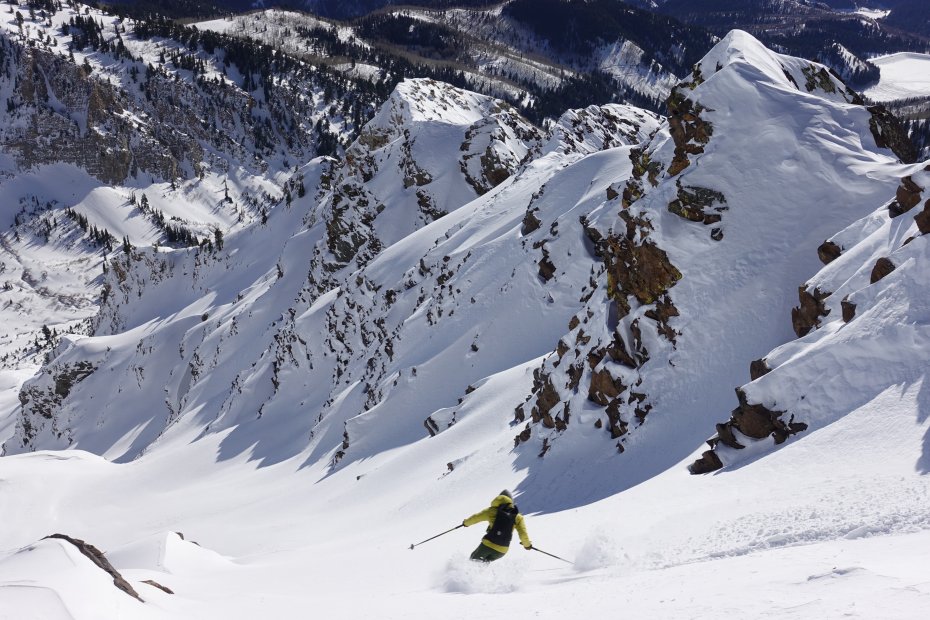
464, 301
612, 243
516, 51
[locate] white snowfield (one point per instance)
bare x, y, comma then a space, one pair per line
263, 448
903, 75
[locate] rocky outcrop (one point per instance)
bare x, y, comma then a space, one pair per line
643, 167
598, 127
923, 219
699, 204
828, 252
889, 133
906, 198
807, 316
758, 368
96, 556
598, 364
708, 462
849, 310
689, 131
883, 267
155, 584
41, 396
635, 265
396, 164
752, 420
57, 112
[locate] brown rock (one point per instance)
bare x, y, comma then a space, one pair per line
688, 130
96, 556
641, 270
726, 437
617, 426
155, 584
708, 462
906, 198
575, 371
807, 316
604, 388
530, 223
546, 267
849, 310
758, 368
923, 219
755, 421
663, 311
828, 252
882, 268
618, 353
546, 399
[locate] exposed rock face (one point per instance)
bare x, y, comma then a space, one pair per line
807, 316
828, 252
635, 265
155, 584
923, 219
849, 310
818, 79
87, 126
882, 268
699, 204
890, 134
643, 166
41, 396
758, 368
755, 421
906, 198
708, 462
603, 365
689, 131
96, 556
604, 387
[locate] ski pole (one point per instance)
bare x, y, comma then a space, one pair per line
437, 535
551, 555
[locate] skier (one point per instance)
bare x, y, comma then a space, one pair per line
503, 516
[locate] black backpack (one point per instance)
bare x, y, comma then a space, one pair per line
501, 530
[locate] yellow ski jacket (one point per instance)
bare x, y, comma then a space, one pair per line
488, 514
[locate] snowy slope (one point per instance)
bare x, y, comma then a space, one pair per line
571, 332
110, 135
869, 333
903, 75
366, 366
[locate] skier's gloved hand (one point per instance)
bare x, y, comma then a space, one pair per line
464, 524
528, 547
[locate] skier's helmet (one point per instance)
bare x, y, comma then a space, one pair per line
506, 493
